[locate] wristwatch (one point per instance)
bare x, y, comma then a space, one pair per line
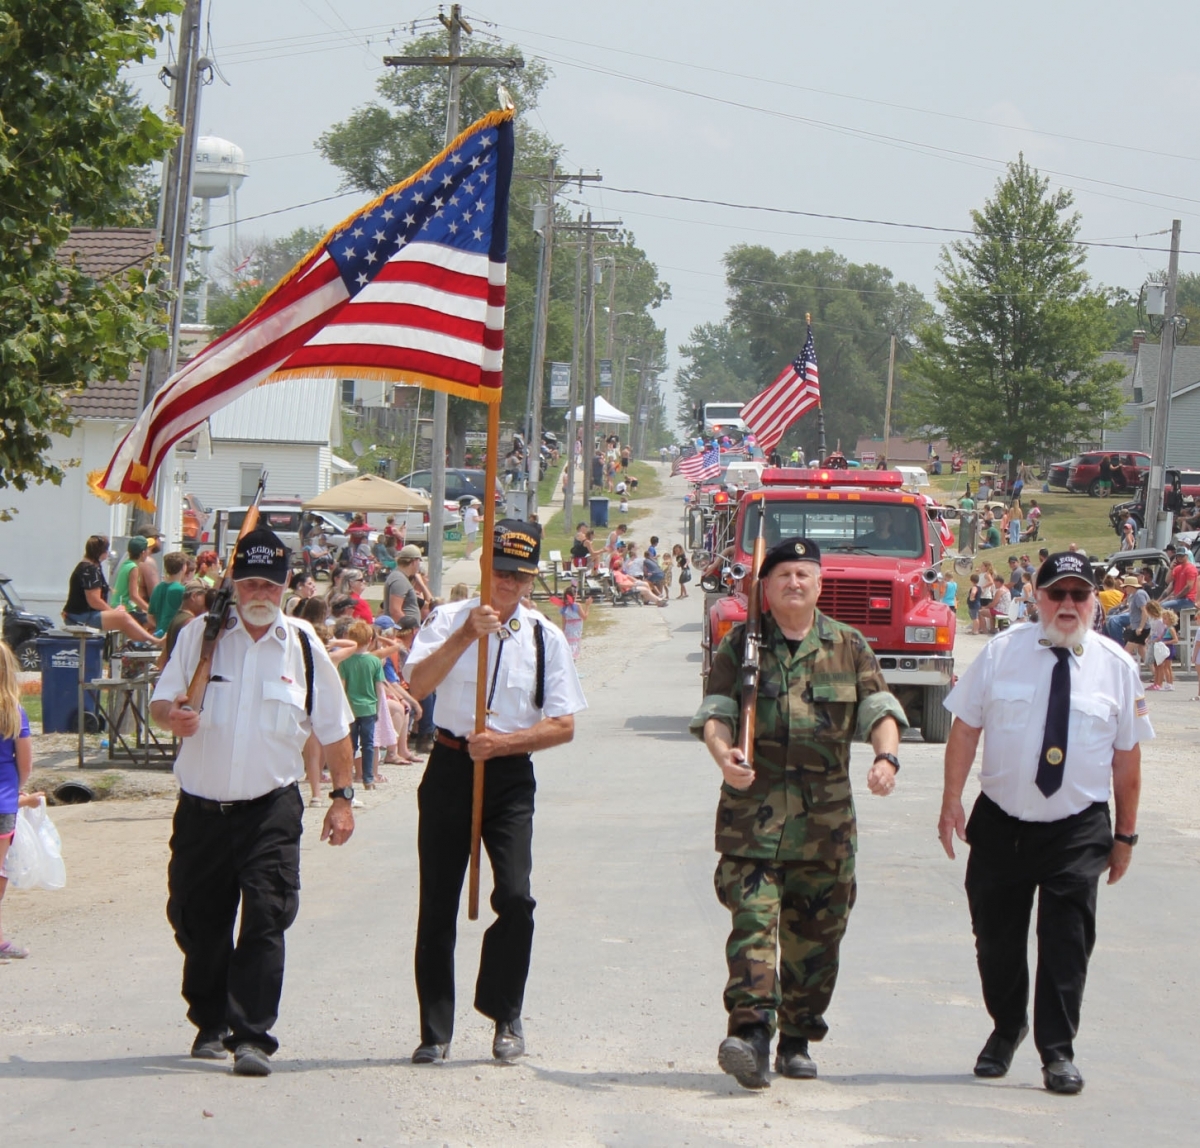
889, 757
346, 793
1126, 838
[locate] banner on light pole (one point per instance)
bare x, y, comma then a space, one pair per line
560, 384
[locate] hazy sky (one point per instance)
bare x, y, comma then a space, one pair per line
903, 113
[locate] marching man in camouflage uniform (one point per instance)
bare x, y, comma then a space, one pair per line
785, 822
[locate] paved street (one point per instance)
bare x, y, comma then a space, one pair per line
623, 1012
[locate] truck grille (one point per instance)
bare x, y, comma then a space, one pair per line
846, 599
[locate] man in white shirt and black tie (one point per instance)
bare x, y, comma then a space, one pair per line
236, 834
532, 696
1064, 712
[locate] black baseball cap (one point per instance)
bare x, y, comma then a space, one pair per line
516, 546
1067, 564
790, 550
262, 554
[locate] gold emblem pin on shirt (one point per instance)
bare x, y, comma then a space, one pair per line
1054, 755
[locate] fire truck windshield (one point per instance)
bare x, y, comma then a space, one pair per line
893, 529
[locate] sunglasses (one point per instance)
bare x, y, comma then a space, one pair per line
1074, 595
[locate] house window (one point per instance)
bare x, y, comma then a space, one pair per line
251, 473
347, 392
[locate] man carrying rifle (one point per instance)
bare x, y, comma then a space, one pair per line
243, 689
785, 821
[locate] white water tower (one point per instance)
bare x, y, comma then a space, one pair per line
219, 172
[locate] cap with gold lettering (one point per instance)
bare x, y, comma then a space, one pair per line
790, 550
516, 546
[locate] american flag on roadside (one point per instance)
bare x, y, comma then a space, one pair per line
796, 390
409, 289
703, 466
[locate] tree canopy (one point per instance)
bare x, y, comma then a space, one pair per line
74, 147
854, 307
1010, 365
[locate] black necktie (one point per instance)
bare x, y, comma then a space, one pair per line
1058, 716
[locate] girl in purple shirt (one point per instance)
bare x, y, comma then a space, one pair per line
16, 762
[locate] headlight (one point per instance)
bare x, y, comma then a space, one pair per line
920, 635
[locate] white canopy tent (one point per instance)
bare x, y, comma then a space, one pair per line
605, 412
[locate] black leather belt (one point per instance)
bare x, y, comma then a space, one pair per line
227, 807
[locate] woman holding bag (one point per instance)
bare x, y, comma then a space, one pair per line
16, 763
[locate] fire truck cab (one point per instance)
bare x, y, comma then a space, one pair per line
879, 566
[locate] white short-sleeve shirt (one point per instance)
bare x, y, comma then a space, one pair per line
512, 701
253, 725
1005, 692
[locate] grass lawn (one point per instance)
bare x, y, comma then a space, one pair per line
1066, 518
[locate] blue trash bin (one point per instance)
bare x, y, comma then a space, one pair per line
59, 653
599, 508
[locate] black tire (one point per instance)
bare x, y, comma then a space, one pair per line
1094, 488
935, 718
27, 656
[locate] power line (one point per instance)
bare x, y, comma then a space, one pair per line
860, 99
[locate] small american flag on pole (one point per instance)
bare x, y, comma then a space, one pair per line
411, 289
702, 467
797, 390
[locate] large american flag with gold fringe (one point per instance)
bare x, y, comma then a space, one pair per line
411, 289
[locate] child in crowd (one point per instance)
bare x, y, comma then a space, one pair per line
1161, 645
973, 604
460, 592
574, 614
685, 569
16, 764
361, 672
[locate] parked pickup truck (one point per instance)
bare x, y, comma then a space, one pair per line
21, 628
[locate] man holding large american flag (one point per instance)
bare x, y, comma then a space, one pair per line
796, 390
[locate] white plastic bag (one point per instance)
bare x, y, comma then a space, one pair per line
1161, 653
34, 858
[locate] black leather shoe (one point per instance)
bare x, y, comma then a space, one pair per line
430, 1053
746, 1056
1062, 1076
997, 1055
210, 1044
509, 1041
792, 1059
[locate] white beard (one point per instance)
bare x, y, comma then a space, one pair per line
1065, 638
258, 613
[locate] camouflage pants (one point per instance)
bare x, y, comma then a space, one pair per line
789, 915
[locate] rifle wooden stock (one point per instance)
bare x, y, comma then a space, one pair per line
214, 621
750, 663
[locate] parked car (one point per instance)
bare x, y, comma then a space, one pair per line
283, 517
461, 485
21, 628
194, 520
1182, 489
1061, 471
1085, 474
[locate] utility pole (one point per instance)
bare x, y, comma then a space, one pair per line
589, 358
541, 320
572, 395
887, 403
454, 60
1157, 529
175, 212
585, 326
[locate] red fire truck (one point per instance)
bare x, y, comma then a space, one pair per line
879, 564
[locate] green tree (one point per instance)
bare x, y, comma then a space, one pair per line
1011, 364
74, 149
855, 308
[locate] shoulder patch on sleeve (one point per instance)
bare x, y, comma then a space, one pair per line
1140, 707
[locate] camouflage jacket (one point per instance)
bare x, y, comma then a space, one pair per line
810, 705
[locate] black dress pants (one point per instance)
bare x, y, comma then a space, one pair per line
247, 855
443, 846
1061, 861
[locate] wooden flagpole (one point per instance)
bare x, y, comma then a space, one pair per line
485, 599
